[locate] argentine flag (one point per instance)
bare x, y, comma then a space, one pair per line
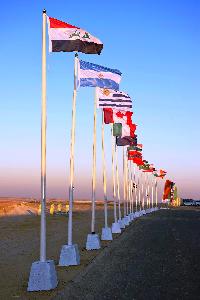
93, 75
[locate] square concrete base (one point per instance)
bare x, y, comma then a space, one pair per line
143, 212
106, 234
127, 220
116, 228
43, 276
121, 223
137, 214
93, 242
131, 217
69, 256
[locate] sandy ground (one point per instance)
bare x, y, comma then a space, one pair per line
19, 244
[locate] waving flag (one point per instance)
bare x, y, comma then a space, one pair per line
93, 75
114, 99
123, 117
68, 38
126, 141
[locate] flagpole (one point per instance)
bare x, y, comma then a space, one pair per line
118, 190
94, 165
71, 185
43, 273
152, 191
113, 175
142, 179
147, 190
139, 190
131, 190
156, 191
127, 187
104, 174
124, 179
93, 241
43, 147
135, 189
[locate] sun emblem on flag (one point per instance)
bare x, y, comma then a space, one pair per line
100, 75
106, 92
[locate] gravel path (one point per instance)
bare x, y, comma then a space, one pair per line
157, 257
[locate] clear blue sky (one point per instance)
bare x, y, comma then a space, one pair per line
155, 44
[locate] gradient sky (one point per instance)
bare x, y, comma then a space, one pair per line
155, 44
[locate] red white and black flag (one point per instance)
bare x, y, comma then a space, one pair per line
64, 37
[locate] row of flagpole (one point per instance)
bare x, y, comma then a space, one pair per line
43, 274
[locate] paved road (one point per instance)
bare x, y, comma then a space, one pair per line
156, 257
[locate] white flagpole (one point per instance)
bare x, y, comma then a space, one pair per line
104, 174
156, 191
71, 187
152, 192
94, 165
124, 182
93, 241
147, 190
139, 190
118, 190
127, 187
69, 253
131, 190
135, 189
113, 175
43, 148
43, 273
142, 179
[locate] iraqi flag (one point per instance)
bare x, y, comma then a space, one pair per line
64, 37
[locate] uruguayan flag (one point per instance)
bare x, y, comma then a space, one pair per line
108, 98
97, 76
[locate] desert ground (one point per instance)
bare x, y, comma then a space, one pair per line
20, 242
163, 248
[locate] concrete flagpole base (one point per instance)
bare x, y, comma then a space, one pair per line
131, 217
116, 228
106, 234
137, 214
93, 242
121, 223
126, 220
69, 256
143, 212
147, 211
43, 276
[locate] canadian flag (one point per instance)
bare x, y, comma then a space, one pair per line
123, 117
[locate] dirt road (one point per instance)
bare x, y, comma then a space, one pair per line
157, 257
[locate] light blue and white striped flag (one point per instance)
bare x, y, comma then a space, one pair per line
107, 98
93, 75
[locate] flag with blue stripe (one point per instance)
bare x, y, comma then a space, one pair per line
93, 75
